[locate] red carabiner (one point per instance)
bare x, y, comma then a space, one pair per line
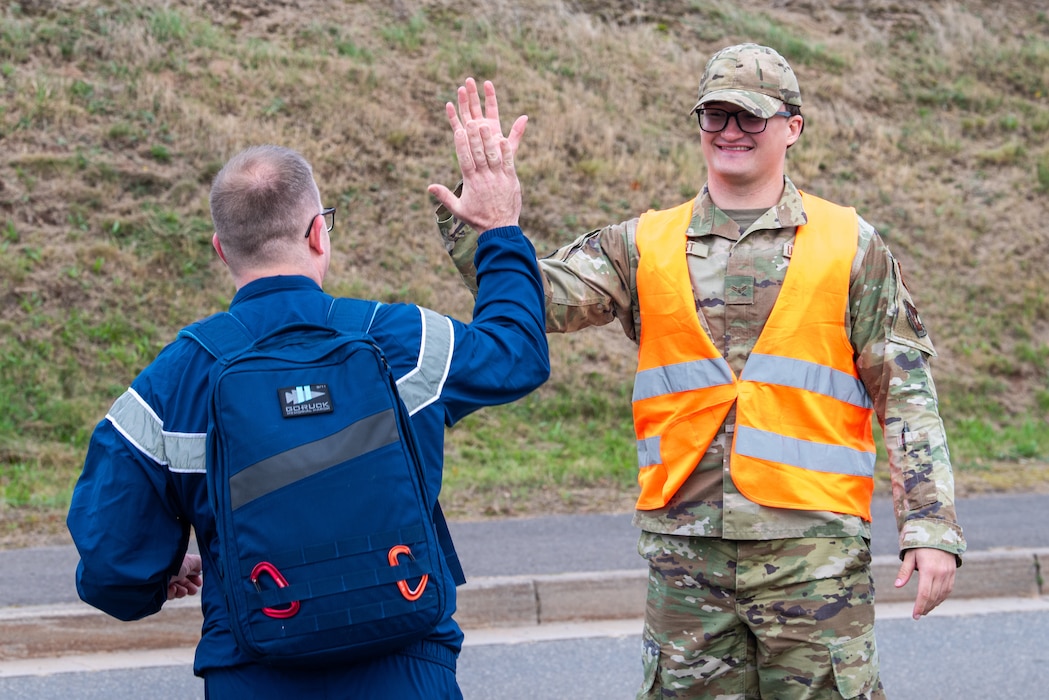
402, 585
264, 567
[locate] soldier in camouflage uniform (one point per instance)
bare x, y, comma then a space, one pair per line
748, 600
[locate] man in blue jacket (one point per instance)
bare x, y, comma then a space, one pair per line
143, 484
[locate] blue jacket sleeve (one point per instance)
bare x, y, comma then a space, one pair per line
119, 496
502, 354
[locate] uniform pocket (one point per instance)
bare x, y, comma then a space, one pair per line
649, 668
921, 488
855, 665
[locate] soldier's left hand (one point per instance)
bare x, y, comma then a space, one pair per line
935, 569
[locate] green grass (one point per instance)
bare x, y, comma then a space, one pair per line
977, 441
115, 118
23, 484
567, 439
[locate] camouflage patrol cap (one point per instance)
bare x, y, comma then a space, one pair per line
754, 77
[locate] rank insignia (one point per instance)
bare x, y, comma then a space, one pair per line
915, 320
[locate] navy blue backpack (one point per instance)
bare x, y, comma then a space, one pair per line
328, 550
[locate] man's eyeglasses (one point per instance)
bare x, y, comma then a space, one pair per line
714, 121
329, 220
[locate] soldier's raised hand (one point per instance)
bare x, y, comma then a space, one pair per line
470, 108
491, 191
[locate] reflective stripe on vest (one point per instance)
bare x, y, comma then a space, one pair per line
803, 420
678, 366
133, 418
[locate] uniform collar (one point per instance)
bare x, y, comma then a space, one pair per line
708, 220
271, 285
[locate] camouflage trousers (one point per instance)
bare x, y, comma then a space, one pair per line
785, 619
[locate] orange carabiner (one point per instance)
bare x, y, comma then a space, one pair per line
264, 567
402, 585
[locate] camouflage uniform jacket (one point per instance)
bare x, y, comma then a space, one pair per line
736, 276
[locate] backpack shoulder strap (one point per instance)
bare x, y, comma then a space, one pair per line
357, 314
352, 314
444, 536
221, 334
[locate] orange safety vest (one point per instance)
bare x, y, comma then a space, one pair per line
803, 436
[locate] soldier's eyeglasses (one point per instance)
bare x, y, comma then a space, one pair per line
329, 220
714, 121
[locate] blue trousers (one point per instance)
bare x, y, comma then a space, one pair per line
415, 674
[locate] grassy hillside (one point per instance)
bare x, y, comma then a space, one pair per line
931, 118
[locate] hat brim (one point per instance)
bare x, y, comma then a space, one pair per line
757, 104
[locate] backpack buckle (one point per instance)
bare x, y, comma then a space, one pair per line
264, 567
402, 585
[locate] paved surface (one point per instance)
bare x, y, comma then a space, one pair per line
522, 572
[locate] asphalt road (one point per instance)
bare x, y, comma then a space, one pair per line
563, 543
974, 649
969, 654
558, 543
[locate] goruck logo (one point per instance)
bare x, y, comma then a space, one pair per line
306, 400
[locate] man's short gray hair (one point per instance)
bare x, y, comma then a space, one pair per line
260, 201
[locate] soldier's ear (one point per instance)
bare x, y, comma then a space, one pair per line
797, 125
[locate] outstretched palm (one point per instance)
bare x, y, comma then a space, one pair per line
490, 196
470, 109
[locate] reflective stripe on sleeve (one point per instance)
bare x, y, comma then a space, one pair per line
132, 417
423, 385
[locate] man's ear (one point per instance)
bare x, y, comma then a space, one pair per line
218, 248
316, 237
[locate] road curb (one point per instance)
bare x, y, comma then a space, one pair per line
607, 595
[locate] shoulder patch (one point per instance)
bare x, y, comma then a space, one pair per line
907, 325
914, 319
